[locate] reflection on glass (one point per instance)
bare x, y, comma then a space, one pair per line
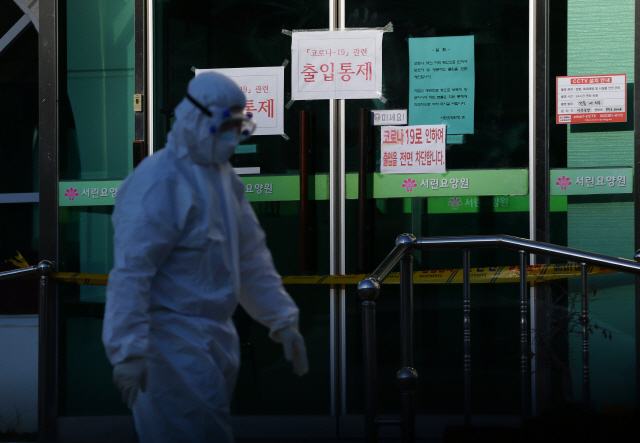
98, 129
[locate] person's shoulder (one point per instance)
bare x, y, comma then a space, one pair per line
154, 171
161, 161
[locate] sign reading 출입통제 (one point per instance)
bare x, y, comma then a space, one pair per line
591, 99
413, 149
344, 64
264, 89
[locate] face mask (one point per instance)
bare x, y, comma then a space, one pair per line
223, 146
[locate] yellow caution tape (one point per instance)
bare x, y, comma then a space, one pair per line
18, 261
503, 274
81, 278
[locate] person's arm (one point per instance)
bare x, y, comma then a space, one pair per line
262, 294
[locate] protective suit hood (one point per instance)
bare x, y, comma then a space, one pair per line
191, 135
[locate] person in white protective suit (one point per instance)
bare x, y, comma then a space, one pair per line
188, 248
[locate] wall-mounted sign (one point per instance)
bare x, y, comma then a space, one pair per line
591, 99
381, 117
477, 182
88, 193
586, 181
413, 149
442, 82
336, 64
264, 89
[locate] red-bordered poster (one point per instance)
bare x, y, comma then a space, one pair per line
591, 99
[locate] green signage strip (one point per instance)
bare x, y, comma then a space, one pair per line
588, 181
88, 193
502, 203
453, 183
473, 183
271, 187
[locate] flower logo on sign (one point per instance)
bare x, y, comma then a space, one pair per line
454, 202
71, 193
563, 182
409, 184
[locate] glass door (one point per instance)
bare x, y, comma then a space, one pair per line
592, 167
96, 130
439, 206
203, 34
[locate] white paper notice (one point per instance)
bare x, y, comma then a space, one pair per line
336, 65
416, 149
264, 89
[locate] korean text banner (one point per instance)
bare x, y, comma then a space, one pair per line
413, 149
336, 65
264, 89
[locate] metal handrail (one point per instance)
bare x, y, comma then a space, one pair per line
533, 247
43, 269
369, 289
21, 272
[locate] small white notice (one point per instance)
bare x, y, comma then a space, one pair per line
381, 117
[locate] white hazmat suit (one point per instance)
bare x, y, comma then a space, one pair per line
188, 248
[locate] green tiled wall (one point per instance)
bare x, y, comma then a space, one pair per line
600, 40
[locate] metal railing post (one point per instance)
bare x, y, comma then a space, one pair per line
637, 312
406, 310
466, 334
407, 376
524, 338
47, 359
368, 290
584, 319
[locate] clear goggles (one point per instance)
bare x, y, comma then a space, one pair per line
240, 121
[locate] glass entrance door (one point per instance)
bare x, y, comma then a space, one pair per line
96, 129
439, 206
232, 34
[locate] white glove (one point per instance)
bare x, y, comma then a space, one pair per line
129, 377
294, 348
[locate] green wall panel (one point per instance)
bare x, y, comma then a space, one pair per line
100, 85
600, 40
